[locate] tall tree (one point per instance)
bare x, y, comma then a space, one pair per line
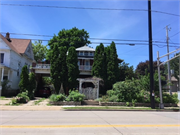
126, 72
72, 67
39, 50
56, 66
98, 68
24, 82
143, 66
32, 85
72, 37
112, 65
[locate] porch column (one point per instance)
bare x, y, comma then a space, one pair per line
98, 89
8, 75
2, 74
80, 86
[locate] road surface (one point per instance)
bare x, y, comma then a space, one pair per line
89, 123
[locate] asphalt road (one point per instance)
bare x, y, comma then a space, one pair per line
89, 123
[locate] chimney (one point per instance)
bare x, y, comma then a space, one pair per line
8, 36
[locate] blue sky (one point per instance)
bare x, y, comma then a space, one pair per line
106, 24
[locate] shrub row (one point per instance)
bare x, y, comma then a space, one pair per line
73, 96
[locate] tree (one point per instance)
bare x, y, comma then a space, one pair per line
32, 85
112, 65
174, 65
72, 37
143, 66
98, 68
24, 82
72, 66
57, 53
126, 71
58, 66
39, 50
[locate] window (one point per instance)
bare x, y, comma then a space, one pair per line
18, 72
91, 54
81, 53
2, 57
86, 53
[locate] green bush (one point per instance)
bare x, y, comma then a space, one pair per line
55, 98
75, 96
22, 97
170, 98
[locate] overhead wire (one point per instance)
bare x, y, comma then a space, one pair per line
90, 8
90, 38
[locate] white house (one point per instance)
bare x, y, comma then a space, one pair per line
14, 54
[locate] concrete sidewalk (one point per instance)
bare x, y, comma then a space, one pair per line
30, 108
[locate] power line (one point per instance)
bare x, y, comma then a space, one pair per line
175, 34
142, 44
88, 8
89, 38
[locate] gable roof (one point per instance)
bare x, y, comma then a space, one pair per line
17, 45
20, 44
85, 48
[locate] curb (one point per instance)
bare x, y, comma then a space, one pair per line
173, 110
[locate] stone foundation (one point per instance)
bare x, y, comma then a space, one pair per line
65, 103
136, 104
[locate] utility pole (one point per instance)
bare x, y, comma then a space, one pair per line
151, 57
179, 73
168, 65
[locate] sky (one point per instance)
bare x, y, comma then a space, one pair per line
121, 25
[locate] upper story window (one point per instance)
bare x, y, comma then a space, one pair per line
85, 53
91, 54
2, 57
81, 53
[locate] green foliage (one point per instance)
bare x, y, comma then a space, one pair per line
47, 81
126, 72
75, 96
170, 98
174, 64
24, 82
72, 37
73, 69
127, 104
58, 67
143, 66
134, 101
112, 65
98, 68
39, 50
22, 97
55, 98
32, 85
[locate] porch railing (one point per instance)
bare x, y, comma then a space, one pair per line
84, 67
43, 66
47, 66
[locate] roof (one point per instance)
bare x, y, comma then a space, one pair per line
173, 79
17, 45
85, 48
20, 44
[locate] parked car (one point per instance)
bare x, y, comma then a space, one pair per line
45, 92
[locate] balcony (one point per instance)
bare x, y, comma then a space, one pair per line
45, 69
85, 67
42, 66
